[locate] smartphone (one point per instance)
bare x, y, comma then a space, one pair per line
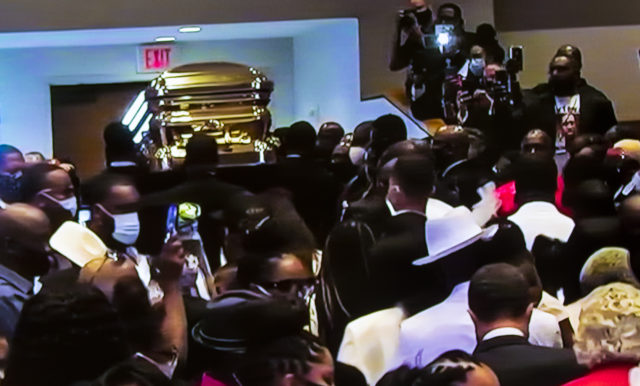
172, 222
517, 55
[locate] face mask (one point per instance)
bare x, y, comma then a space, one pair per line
126, 226
562, 87
356, 155
477, 66
69, 204
15, 175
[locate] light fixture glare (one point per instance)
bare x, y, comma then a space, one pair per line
189, 29
165, 39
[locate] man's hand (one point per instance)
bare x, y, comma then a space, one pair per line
171, 260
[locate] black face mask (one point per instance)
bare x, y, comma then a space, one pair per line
562, 87
424, 18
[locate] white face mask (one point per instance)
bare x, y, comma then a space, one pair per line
69, 204
126, 226
356, 155
477, 66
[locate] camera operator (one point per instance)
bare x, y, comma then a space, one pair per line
432, 50
490, 101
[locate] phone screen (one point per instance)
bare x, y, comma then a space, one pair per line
172, 221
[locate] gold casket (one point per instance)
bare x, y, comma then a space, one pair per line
227, 101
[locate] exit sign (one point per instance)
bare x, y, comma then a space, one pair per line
155, 58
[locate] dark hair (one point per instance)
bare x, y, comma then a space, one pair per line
142, 321
65, 337
590, 198
299, 138
7, 149
387, 130
98, 188
34, 179
332, 130
37, 154
270, 225
457, 11
405, 148
448, 369
415, 175
201, 149
362, 134
536, 178
344, 279
486, 32
254, 267
498, 291
287, 355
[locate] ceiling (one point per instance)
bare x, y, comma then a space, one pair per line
141, 35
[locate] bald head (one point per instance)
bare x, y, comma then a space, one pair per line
24, 223
571, 51
450, 144
24, 231
537, 142
405, 148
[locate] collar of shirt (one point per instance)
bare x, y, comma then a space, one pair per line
395, 212
20, 283
504, 331
142, 265
459, 293
453, 165
464, 70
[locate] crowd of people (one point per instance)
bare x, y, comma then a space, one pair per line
501, 249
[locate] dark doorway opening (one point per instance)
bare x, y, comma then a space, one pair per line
79, 114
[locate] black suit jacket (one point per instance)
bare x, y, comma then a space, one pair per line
518, 363
596, 111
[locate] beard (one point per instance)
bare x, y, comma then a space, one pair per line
562, 87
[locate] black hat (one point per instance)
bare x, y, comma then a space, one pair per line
242, 318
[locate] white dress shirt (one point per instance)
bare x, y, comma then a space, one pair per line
542, 218
502, 331
435, 209
448, 326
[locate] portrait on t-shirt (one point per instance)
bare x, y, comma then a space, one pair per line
567, 120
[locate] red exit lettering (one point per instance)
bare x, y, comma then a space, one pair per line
157, 58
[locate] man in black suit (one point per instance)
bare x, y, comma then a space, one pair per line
314, 190
567, 104
402, 235
501, 309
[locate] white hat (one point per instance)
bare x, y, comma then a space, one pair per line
77, 243
450, 233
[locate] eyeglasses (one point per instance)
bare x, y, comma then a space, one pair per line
302, 287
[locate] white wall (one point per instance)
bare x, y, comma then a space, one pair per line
610, 60
26, 74
327, 77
